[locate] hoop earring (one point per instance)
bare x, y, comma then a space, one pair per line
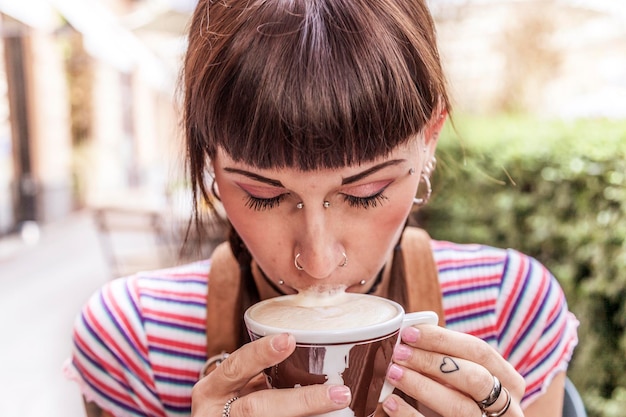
420, 201
429, 168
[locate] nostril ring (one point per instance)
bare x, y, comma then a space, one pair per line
295, 262
345, 260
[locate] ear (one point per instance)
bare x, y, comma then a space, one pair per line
433, 129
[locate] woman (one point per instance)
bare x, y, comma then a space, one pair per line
315, 122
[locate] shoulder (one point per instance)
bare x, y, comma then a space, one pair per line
130, 332
489, 291
476, 263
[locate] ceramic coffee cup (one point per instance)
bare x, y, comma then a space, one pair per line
349, 341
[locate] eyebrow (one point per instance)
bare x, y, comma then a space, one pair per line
256, 177
370, 171
345, 181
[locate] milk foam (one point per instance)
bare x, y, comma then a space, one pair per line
336, 312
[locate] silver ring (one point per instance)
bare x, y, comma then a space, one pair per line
295, 262
504, 409
226, 410
345, 260
493, 395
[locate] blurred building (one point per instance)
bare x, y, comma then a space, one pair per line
87, 87
86, 104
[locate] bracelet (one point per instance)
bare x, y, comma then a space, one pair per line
213, 361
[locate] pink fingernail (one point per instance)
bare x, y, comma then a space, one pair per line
402, 353
410, 334
390, 404
339, 394
280, 342
394, 372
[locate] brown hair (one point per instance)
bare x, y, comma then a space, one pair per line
307, 84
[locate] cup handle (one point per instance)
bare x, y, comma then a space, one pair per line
410, 319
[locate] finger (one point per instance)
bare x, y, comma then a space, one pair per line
444, 400
453, 393
246, 363
395, 406
293, 402
464, 376
464, 346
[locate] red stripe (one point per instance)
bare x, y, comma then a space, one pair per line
174, 317
530, 313
175, 344
114, 347
123, 319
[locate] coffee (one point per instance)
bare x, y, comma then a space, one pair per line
337, 312
340, 339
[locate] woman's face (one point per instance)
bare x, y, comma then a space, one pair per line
369, 205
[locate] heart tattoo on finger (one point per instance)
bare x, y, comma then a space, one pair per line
448, 365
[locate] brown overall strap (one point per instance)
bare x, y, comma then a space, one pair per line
421, 273
222, 327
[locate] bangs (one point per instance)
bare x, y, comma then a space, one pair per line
311, 84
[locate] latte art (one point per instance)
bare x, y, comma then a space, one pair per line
341, 311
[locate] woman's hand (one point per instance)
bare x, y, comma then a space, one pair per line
449, 372
240, 375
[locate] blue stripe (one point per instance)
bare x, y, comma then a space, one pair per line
177, 353
468, 317
136, 349
520, 295
476, 264
174, 300
200, 329
472, 289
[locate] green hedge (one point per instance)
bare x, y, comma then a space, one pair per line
555, 190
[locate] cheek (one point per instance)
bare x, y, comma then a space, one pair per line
263, 237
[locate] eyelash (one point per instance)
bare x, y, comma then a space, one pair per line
260, 204
372, 201
365, 202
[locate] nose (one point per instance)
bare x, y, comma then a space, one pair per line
319, 251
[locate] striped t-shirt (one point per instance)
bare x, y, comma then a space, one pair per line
139, 343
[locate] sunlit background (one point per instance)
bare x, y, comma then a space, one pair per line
91, 180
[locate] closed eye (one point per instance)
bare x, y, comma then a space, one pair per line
260, 204
365, 202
